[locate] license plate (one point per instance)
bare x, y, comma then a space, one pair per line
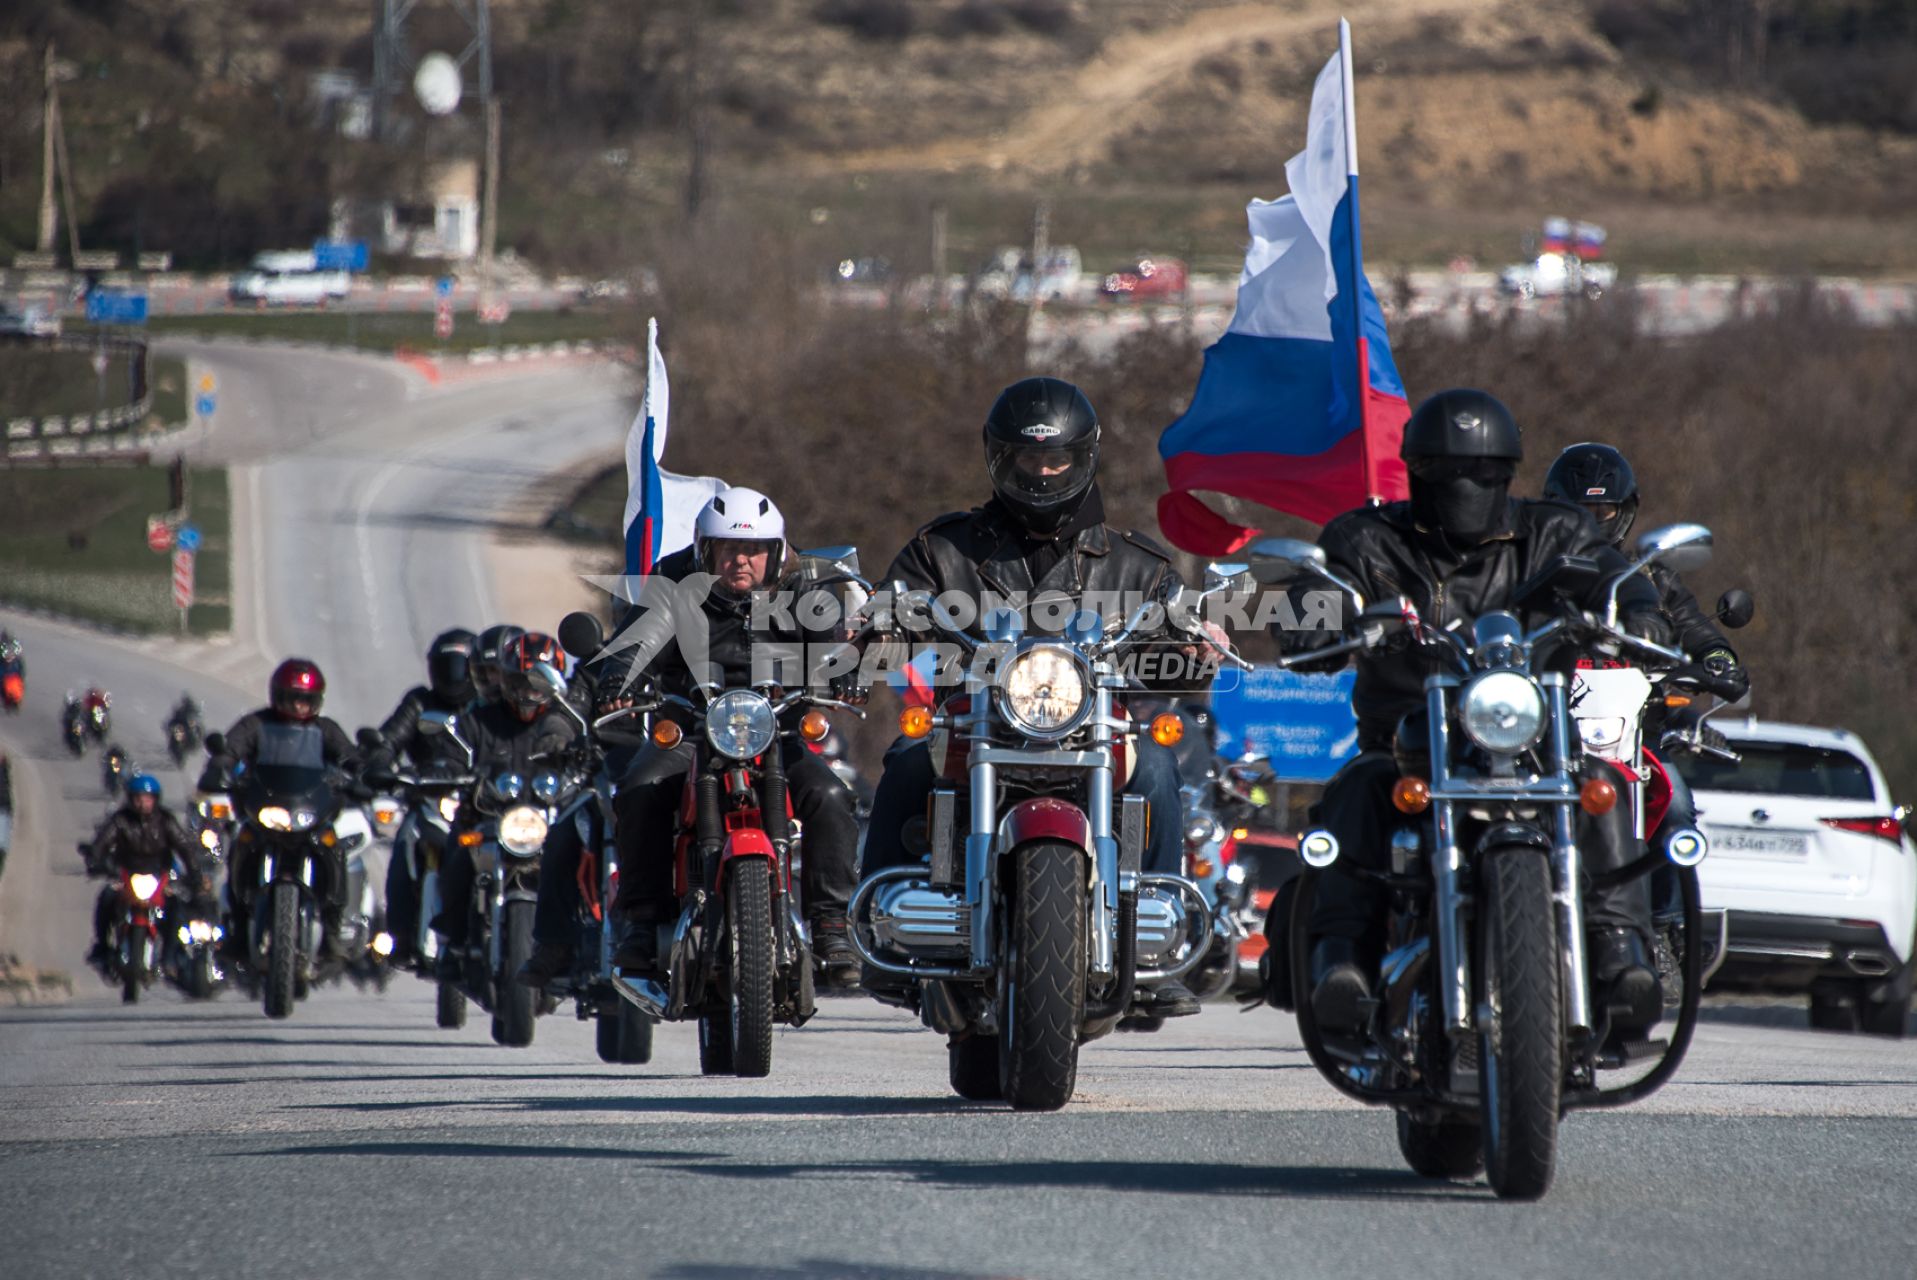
1747, 843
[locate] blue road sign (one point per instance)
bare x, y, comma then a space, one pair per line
204, 404
108, 307
187, 538
339, 255
443, 286
1302, 723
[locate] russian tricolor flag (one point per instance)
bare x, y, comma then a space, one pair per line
660, 505
1279, 417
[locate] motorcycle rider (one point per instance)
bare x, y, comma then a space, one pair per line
1458, 549
139, 837
13, 665
448, 689
185, 715
1042, 531
97, 704
485, 661
507, 735
288, 731
739, 547
1599, 478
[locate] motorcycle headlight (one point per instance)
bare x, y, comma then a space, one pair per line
449, 807
304, 818
522, 830
545, 787
1044, 691
201, 931
209, 839
145, 887
1503, 711
275, 818
740, 724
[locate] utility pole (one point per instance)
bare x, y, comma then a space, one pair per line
938, 254
49, 121
490, 213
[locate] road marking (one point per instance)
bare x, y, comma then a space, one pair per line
363, 536
257, 538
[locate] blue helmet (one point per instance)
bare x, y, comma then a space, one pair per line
144, 784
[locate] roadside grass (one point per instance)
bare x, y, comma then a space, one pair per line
391, 330
595, 511
167, 375
73, 542
36, 381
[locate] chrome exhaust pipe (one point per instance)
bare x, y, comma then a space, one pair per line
1868, 964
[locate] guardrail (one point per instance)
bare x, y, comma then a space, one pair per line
104, 432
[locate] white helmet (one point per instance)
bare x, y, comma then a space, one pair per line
740, 515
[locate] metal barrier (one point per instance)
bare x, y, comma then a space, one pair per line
103, 432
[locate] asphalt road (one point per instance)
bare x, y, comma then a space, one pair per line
355, 1139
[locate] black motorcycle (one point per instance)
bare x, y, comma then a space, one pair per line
184, 732
73, 726
115, 771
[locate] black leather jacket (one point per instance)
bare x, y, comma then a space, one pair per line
400, 730
1695, 631
1381, 551
150, 843
502, 742
281, 741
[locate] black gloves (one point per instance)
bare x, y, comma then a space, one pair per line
1732, 681
1648, 624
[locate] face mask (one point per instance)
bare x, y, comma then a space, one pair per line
1464, 502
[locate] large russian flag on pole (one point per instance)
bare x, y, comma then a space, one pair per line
1299, 406
660, 505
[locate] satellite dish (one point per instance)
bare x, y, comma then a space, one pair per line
436, 84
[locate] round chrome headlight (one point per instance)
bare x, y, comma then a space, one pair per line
740, 724
1503, 711
1044, 691
449, 807
275, 818
522, 830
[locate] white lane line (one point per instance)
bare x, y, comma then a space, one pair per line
256, 537
363, 536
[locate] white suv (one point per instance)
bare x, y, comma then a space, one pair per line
1815, 865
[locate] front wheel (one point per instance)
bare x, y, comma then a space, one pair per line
1889, 1016
282, 951
749, 924
516, 1004
451, 1014
199, 975
1441, 1148
1520, 1037
624, 1036
1042, 978
130, 971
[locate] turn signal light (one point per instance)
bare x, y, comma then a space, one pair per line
814, 726
1167, 729
1411, 795
915, 722
667, 734
1677, 700
467, 839
1597, 798
1201, 868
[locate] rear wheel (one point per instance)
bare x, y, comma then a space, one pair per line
1441, 1148
451, 1013
1520, 1040
1890, 1016
624, 1035
974, 1067
749, 922
282, 950
130, 971
1833, 1011
517, 1003
1042, 978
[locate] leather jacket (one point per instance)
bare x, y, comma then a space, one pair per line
149, 843
1696, 633
1382, 551
266, 736
502, 742
400, 730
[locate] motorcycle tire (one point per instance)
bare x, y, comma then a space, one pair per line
1521, 1045
451, 1014
715, 1043
517, 1004
129, 974
282, 952
1042, 979
974, 1068
624, 1036
1441, 1148
199, 975
749, 930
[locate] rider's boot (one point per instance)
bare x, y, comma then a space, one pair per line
1625, 979
832, 953
1340, 988
549, 960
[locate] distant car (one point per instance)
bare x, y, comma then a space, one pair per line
862, 271
1148, 278
288, 277
1010, 274
28, 320
1815, 865
1552, 275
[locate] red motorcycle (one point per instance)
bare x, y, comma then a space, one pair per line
13, 691
134, 962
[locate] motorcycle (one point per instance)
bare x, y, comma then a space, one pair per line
97, 715
134, 933
115, 771
184, 733
1027, 931
1485, 1029
290, 818
73, 726
189, 959
13, 691
431, 799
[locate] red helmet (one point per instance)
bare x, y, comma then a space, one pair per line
517, 660
297, 689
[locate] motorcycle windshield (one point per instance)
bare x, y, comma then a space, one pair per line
287, 785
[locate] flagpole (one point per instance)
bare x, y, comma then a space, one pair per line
1359, 354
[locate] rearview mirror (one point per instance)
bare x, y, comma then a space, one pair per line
215, 743
1735, 608
581, 635
1679, 547
828, 562
432, 723
1282, 559
1220, 575
547, 678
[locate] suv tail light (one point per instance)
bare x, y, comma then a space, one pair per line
1883, 828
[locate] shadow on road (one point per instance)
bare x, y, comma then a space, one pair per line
812, 1269
479, 1150
641, 1104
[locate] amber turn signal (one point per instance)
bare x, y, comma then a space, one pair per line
1167, 729
1676, 700
1411, 795
1597, 798
915, 722
468, 839
667, 734
814, 725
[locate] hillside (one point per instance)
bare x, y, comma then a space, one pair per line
1728, 133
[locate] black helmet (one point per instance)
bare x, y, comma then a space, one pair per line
485, 665
1596, 477
1461, 447
1041, 448
449, 669
1462, 423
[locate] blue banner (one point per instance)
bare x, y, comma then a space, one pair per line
104, 307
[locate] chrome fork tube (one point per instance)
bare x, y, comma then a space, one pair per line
978, 860
1566, 868
1447, 873
1104, 886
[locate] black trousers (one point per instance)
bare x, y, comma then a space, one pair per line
1357, 809
647, 809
